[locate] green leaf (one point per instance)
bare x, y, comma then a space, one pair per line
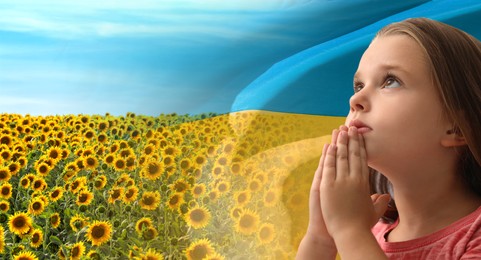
55, 240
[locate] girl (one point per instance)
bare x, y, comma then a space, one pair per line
414, 117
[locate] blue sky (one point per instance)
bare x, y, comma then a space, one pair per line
151, 57
148, 57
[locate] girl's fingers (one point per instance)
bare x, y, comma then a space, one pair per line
363, 157
335, 134
318, 174
342, 162
329, 167
354, 153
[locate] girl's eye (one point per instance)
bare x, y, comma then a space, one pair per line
392, 82
357, 87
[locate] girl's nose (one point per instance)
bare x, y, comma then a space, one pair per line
358, 102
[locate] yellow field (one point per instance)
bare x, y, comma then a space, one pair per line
229, 186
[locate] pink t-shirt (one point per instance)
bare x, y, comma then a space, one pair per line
460, 240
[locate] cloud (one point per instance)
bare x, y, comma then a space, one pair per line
73, 20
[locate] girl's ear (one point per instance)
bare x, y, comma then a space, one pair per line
452, 138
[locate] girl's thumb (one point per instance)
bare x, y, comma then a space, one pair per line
380, 202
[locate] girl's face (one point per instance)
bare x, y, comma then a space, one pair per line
396, 105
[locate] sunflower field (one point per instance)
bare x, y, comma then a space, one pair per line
209, 186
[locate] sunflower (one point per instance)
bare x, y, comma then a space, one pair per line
40, 196
198, 217
218, 171
109, 159
90, 162
130, 162
14, 168
119, 164
236, 212
100, 182
2, 240
142, 223
242, 198
175, 200
131, 194
92, 254
266, 233
6, 140
102, 125
153, 170
6, 154
222, 160
254, 185
297, 200
149, 233
149, 149
78, 222
4, 205
77, 251
116, 193
65, 153
22, 161
199, 249
213, 195
25, 255
43, 169
236, 168
36, 239
198, 190
39, 184
150, 200
78, 184
54, 153
185, 164
247, 222
122, 179
84, 197
126, 152
99, 232
89, 134
25, 181
56, 193
55, 220
20, 223
270, 198
214, 256
6, 190
199, 160
36, 206
70, 170
168, 160
223, 187
102, 138
171, 150
4, 174
180, 185
151, 254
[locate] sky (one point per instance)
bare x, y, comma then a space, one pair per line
151, 57
147, 57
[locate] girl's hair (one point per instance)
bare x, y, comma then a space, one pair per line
455, 60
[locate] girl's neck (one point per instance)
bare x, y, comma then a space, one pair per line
431, 208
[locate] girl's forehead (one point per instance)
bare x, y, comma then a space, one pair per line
395, 50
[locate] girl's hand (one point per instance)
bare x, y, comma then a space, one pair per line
317, 231
317, 243
346, 204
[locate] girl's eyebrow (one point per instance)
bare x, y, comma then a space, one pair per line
385, 67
